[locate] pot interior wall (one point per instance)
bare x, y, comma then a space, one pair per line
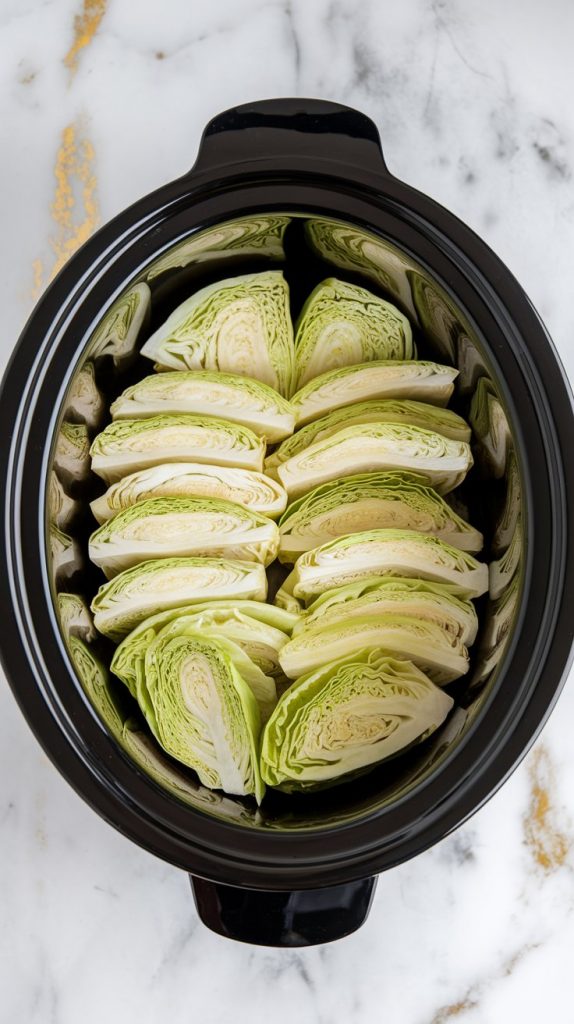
310, 249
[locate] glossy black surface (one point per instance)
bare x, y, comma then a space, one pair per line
304, 917
315, 171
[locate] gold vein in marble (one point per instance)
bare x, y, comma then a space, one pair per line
547, 839
74, 208
86, 25
471, 998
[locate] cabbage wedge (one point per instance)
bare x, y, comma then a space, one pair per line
241, 325
180, 527
510, 514
419, 599
117, 333
66, 555
385, 553
96, 683
259, 629
75, 617
85, 404
227, 395
251, 236
498, 630
382, 410
490, 424
342, 324
126, 446
386, 378
504, 569
146, 752
203, 713
348, 716
72, 454
254, 491
375, 448
440, 654
258, 639
155, 586
62, 509
129, 659
370, 501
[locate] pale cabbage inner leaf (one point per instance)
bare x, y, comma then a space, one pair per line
183, 527
421, 599
440, 654
154, 586
229, 396
342, 324
371, 501
347, 716
376, 447
127, 446
251, 490
241, 325
394, 378
389, 553
203, 712
383, 410
117, 333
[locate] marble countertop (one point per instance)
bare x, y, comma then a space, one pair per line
100, 102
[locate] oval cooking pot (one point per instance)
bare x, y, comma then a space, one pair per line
305, 181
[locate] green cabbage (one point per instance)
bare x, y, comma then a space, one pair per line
385, 553
440, 321
377, 447
363, 253
72, 454
383, 410
259, 640
163, 527
507, 521
75, 618
129, 445
241, 325
202, 712
386, 378
85, 404
421, 599
257, 628
503, 570
65, 555
370, 501
440, 654
342, 324
286, 601
240, 399
238, 638
95, 681
347, 716
254, 236
150, 759
154, 586
253, 491
118, 331
62, 509
490, 425
497, 631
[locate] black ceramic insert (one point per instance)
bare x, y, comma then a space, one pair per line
299, 184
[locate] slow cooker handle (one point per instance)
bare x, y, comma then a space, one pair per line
298, 134
297, 918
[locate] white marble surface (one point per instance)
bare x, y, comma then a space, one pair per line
473, 98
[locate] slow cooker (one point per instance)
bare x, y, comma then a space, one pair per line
311, 177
